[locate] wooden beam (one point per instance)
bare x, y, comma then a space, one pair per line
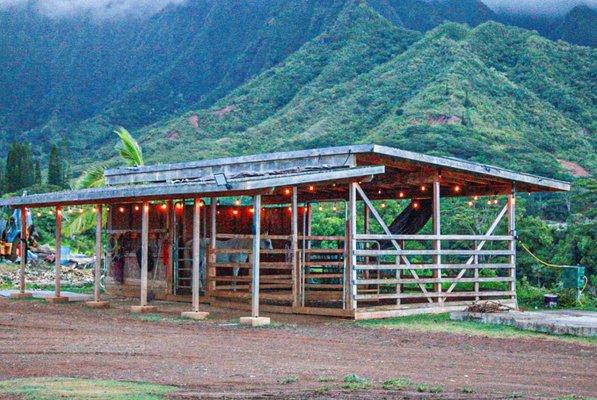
23, 244
437, 244
58, 258
196, 243
98, 253
352, 230
255, 256
211, 270
512, 232
144, 251
294, 247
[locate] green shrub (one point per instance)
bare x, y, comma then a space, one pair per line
397, 384
355, 382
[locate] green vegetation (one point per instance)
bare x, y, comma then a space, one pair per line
289, 380
355, 382
397, 384
442, 323
82, 389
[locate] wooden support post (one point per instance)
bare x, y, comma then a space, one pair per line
476, 274
512, 231
57, 298
255, 319
294, 248
195, 313
97, 302
143, 307
352, 263
437, 259
21, 294
211, 270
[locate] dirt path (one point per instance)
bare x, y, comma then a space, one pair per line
217, 357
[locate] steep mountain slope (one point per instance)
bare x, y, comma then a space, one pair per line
135, 71
578, 26
448, 93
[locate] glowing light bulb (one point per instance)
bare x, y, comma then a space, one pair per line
235, 212
457, 188
311, 188
287, 191
470, 203
237, 202
415, 205
423, 188
121, 209
383, 205
401, 194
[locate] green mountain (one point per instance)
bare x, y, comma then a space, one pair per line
578, 26
492, 93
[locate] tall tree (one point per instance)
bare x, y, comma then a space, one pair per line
19, 167
37, 172
55, 173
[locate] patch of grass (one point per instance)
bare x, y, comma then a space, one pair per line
422, 387
467, 389
436, 389
153, 317
355, 382
323, 390
324, 378
88, 389
443, 323
397, 384
289, 379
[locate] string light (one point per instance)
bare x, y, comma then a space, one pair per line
287, 191
401, 194
311, 188
251, 210
470, 203
457, 188
51, 212
289, 208
179, 206
379, 191
121, 209
39, 214
235, 212
59, 212
383, 205
334, 208
201, 204
476, 197
489, 202
415, 205
320, 208
237, 202
495, 201
164, 207
94, 210
423, 188
146, 208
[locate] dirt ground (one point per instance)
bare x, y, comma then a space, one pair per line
219, 358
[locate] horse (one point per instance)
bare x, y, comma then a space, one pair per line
226, 258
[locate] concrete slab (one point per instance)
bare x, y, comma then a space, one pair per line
144, 309
42, 294
557, 322
255, 321
198, 315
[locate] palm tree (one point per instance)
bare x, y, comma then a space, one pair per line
130, 152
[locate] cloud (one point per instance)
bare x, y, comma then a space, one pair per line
96, 8
536, 7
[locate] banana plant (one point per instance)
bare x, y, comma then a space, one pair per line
130, 153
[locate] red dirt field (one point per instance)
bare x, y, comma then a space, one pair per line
219, 359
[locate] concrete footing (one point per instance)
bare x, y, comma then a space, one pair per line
60, 299
143, 309
194, 314
97, 304
19, 295
255, 321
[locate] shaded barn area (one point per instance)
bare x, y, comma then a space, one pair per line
239, 232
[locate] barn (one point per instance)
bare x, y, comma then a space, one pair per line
239, 232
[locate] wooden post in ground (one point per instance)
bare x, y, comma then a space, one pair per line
352, 261
57, 298
512, 231
294, 248
195, 313
22, 294
97, 301
143, 307
437, 259
255, 319
211, 270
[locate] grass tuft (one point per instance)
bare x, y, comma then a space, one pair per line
355, 382
397, 384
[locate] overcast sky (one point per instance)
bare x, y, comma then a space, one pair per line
99, 8
537, 6
119, 8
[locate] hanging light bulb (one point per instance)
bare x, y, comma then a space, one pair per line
401, 195
179, 206
423, 188
287, 191
237, 202
320, 208
476, 197
470, 203
121, 209
457, 189
235, 212
495, 201
251, 210
311, 188
383, 205
379, 191
415, 205
334, 208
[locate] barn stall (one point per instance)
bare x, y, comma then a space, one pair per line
239, 232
